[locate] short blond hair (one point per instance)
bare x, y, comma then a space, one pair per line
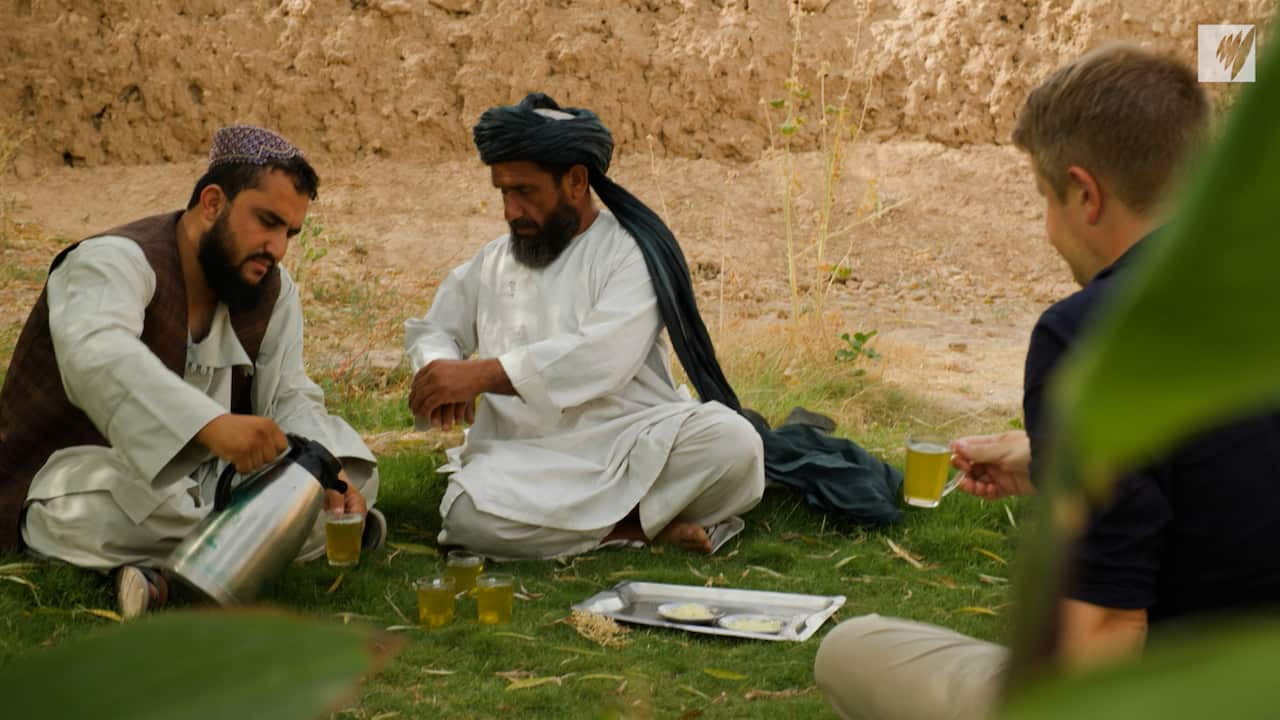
1128, 116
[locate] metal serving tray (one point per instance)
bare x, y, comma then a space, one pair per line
637, 602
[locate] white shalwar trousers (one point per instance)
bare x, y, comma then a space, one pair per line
715, 472
92, 529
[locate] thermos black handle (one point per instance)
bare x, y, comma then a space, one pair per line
222, 494
337, 484
318, 461
322, 461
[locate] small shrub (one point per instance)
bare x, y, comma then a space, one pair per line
856, 348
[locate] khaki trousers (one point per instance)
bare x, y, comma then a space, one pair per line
876, 668
715, 471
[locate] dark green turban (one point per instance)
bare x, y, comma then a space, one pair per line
833, 473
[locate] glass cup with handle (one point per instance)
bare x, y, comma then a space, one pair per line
924, 483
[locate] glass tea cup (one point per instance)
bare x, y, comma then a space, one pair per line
495, 595
342, 533
924, 482
464, 567
436, 597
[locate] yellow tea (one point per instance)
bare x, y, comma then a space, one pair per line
435, 601
494, 598
926, 475
464, 567
342, 538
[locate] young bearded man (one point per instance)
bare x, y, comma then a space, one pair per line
159, 352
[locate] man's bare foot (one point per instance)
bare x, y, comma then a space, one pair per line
690, 536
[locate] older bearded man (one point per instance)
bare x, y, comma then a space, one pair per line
159, 352
581, 436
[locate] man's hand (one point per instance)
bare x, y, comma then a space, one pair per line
446, 415
246, 441
444, 391
994, 466
349, 502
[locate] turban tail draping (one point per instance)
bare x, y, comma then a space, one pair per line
832, 473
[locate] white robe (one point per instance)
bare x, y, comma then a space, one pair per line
597, 410
97, 300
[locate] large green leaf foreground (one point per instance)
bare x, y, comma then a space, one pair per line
192, 665
1193, 340
1228, 672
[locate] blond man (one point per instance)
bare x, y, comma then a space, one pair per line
1107, 136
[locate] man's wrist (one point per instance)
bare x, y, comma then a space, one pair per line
202, 435
494, 378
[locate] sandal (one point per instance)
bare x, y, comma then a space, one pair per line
139, 590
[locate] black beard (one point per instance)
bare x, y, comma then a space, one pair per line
220, 272
549, 240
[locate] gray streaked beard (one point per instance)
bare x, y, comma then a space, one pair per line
552, 237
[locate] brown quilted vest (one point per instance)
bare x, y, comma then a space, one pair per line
37, 419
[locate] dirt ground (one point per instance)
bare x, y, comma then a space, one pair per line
118, 99
951, 271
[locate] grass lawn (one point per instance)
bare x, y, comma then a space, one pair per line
661, 673
961, 549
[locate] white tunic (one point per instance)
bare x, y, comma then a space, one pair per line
97, 302
597, 411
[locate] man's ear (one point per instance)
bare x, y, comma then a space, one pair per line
212, 201
1089, 191
578, 181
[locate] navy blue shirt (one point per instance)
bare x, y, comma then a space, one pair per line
1197, 531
